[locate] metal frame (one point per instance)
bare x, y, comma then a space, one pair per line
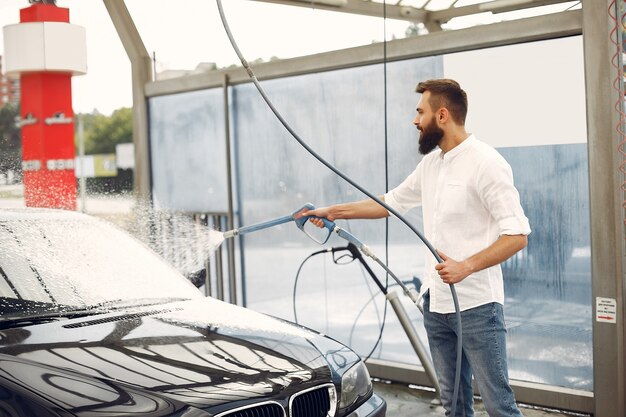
431, 19
607, 215
230, 219
141, 67
497, 34
525, 392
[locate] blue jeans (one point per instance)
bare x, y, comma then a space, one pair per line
484, 355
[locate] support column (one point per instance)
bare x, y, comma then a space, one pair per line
607, 214
141, 66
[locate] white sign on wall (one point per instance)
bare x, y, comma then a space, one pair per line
606, 310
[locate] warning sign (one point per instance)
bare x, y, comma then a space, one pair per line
606, 310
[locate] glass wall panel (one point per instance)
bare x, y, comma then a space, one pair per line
528, 100
341, 114
548, 287
188, 164
188, 152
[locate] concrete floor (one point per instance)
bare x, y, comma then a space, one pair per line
403, 401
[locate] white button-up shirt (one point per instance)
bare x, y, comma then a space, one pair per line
468, 201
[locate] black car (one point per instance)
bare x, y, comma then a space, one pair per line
93, 323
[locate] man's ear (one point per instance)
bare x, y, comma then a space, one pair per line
443, 115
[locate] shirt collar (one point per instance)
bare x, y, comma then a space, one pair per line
446, 156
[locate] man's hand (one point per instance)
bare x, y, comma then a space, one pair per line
323, 212
451, 271
364, 209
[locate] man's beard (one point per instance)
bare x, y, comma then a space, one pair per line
429, 137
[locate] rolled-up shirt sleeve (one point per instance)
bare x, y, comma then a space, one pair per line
408, 194
498, 193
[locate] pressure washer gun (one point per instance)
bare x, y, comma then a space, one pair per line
321, 235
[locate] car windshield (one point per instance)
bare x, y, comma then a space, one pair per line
53, 263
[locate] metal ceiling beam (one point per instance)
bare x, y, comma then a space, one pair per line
496, 6
432, 20
360, 7
495, 34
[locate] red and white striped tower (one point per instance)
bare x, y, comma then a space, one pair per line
45, 50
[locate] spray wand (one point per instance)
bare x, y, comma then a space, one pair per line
321, 236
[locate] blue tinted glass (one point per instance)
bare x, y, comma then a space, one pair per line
188, 151
548, 287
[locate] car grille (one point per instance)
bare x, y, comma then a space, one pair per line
263, 410
314, 403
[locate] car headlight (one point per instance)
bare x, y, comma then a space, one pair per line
355, 384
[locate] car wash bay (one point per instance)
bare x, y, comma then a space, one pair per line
217, 153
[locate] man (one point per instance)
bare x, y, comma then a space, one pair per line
472, 215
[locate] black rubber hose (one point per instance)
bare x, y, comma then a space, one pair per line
295, 284
355, 252
293, 133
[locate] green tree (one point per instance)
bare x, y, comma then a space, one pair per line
415, 29
103, 133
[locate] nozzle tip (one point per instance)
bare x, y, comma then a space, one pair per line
231, 233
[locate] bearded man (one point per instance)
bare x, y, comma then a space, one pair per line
473, 216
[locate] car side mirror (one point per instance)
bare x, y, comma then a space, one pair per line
197, 278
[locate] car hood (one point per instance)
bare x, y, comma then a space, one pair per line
204, 353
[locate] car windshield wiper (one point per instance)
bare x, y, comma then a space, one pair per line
47, 316
67, 312
125, 303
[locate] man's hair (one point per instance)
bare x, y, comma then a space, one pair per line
446, 93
